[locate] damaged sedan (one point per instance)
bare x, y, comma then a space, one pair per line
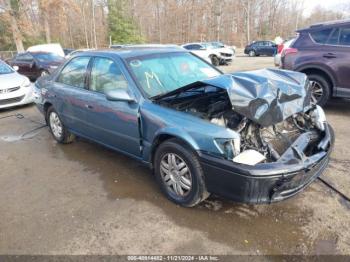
252, 137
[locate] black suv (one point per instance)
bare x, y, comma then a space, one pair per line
322, 51
258, 48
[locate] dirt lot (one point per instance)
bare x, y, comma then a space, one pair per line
85, 199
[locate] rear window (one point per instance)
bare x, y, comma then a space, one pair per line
321, 36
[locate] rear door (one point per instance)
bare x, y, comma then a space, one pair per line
113, 123
338, 55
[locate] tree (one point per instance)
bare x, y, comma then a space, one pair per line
11, 8
121, 27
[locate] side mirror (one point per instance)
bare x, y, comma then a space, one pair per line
16, 68
120, 95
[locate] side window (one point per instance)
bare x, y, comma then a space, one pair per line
74, 72
194, 47
321, 36
26, 57
334, 38
344, 38
106, 75
188, 47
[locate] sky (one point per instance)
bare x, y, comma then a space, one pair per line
329, 4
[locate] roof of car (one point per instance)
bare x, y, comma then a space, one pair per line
326, 24
134, 51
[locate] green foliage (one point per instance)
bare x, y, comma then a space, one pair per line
6, 42
121, 27
14, 5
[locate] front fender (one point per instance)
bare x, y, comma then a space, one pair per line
178, 133
200, 134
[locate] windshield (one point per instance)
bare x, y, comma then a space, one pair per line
5, 69
162, 73
217, 45
48, 57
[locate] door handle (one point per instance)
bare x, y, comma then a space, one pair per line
89, 106
329, 55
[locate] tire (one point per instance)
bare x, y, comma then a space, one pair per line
62, 136
215, 60
193, 192
44, 73
252, 53
318, 84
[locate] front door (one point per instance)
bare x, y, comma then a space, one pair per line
113, 123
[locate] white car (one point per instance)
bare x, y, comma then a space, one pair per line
210, 53
48, 48
15, 89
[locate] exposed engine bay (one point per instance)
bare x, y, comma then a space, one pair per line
257, 143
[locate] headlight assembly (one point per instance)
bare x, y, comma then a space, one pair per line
26, 83
228, 147
318, 118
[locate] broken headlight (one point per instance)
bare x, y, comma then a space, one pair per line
228, 147
318, 117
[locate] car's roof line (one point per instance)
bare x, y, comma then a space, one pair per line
326, 24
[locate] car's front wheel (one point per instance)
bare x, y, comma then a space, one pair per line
320, 89
179, 173
252, 53
215, 60
58, 130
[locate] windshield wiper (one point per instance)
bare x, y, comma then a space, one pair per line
177, 91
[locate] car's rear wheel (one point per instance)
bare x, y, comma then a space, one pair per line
58, 130
320, 89
252, 53
179, 173
215, 60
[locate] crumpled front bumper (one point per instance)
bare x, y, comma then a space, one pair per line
270, 182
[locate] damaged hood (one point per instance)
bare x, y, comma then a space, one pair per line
266, 96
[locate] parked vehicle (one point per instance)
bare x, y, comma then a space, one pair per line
213, 55
223, 48
280, 48
48, 48
35, 64
252, 137
15, 89
322, 52
68, 51
257, 48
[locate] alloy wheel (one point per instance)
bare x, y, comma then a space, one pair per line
176, 174
56, 125
316, 92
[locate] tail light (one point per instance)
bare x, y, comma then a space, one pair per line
289, 51
280, 48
